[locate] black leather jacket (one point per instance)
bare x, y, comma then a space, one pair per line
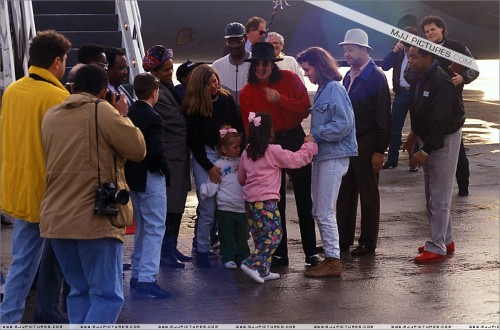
371, 101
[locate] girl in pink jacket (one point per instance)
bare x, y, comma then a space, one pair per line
260, 175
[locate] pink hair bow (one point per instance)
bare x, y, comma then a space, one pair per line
253, 119
223, 131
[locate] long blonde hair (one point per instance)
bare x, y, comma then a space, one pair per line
198, 100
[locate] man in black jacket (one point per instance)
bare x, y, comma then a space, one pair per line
437, 116
369, 92
435, 30
397, 60
146, 180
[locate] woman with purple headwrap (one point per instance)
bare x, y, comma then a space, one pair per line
158, 61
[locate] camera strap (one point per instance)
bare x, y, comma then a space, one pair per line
97, 145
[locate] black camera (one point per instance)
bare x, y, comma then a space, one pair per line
110, 95
106, 197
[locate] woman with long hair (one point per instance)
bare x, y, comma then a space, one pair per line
207, 107
332, 127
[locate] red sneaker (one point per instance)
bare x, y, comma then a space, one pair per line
450, 248
427, 257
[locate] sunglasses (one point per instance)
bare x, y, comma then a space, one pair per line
261, 32
234, 41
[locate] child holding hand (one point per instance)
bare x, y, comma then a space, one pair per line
231, 217
260, 175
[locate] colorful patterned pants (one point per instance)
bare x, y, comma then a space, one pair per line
265, 225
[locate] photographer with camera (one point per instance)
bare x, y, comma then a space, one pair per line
86, 206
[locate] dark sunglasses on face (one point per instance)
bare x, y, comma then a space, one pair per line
234, 41
261, 32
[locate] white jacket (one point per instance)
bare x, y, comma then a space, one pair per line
229, 191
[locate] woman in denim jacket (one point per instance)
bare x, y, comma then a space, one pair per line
332, 127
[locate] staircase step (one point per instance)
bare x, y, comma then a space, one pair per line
105, 38
73, 7
77, 22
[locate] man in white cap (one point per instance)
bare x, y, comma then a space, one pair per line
369, 92
232, 69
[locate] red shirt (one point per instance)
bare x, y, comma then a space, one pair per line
288, 113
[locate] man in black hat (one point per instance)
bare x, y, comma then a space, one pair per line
232, 68
183, 74
282, 94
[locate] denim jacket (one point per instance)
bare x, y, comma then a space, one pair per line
332, 123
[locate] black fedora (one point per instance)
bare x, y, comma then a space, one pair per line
263, 51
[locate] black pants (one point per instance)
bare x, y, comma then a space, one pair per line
359, 181
462, 173
49, 284
301, 179
173, 225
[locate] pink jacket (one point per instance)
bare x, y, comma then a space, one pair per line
261, 180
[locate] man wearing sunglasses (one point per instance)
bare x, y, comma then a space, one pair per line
232, 69
256, 32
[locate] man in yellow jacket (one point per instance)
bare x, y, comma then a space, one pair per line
22, 165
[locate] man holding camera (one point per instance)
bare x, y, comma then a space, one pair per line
86, 207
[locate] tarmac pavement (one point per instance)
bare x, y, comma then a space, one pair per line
384, 288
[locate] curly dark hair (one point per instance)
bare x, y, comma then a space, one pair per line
275, 74
46, 46
259, 137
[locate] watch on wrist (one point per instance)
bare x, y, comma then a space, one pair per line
424, 153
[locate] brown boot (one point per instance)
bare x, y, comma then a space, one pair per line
330, 267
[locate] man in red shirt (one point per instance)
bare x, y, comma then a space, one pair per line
282, 94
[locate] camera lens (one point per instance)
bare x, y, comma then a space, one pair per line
121, 197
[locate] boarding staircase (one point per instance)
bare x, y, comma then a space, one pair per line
108, 23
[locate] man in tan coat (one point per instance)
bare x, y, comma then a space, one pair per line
86, 142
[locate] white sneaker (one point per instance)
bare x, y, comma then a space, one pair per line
271, 276
254, 274
230, 265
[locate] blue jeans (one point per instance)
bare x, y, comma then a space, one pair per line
26, 254
93, 269
207, 206
438, 180
150, 211
400, 107
326, 179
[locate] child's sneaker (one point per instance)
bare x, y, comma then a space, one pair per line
254, 274
271, 276
230, 265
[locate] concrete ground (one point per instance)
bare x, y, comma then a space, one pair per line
384, 288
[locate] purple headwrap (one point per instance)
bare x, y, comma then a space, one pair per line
156, 56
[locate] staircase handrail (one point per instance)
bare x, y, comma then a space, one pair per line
15, 44
129, 18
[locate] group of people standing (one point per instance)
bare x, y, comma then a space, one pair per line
237, 125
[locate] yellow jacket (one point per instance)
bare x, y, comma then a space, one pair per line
22, 165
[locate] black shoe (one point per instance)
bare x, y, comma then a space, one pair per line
463, 191
182, 257
152, 289
361, 251
5, 221
313, 260
278, 261
171, 261
389, 165
133, 282
413, 168
126, 266
202, 260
